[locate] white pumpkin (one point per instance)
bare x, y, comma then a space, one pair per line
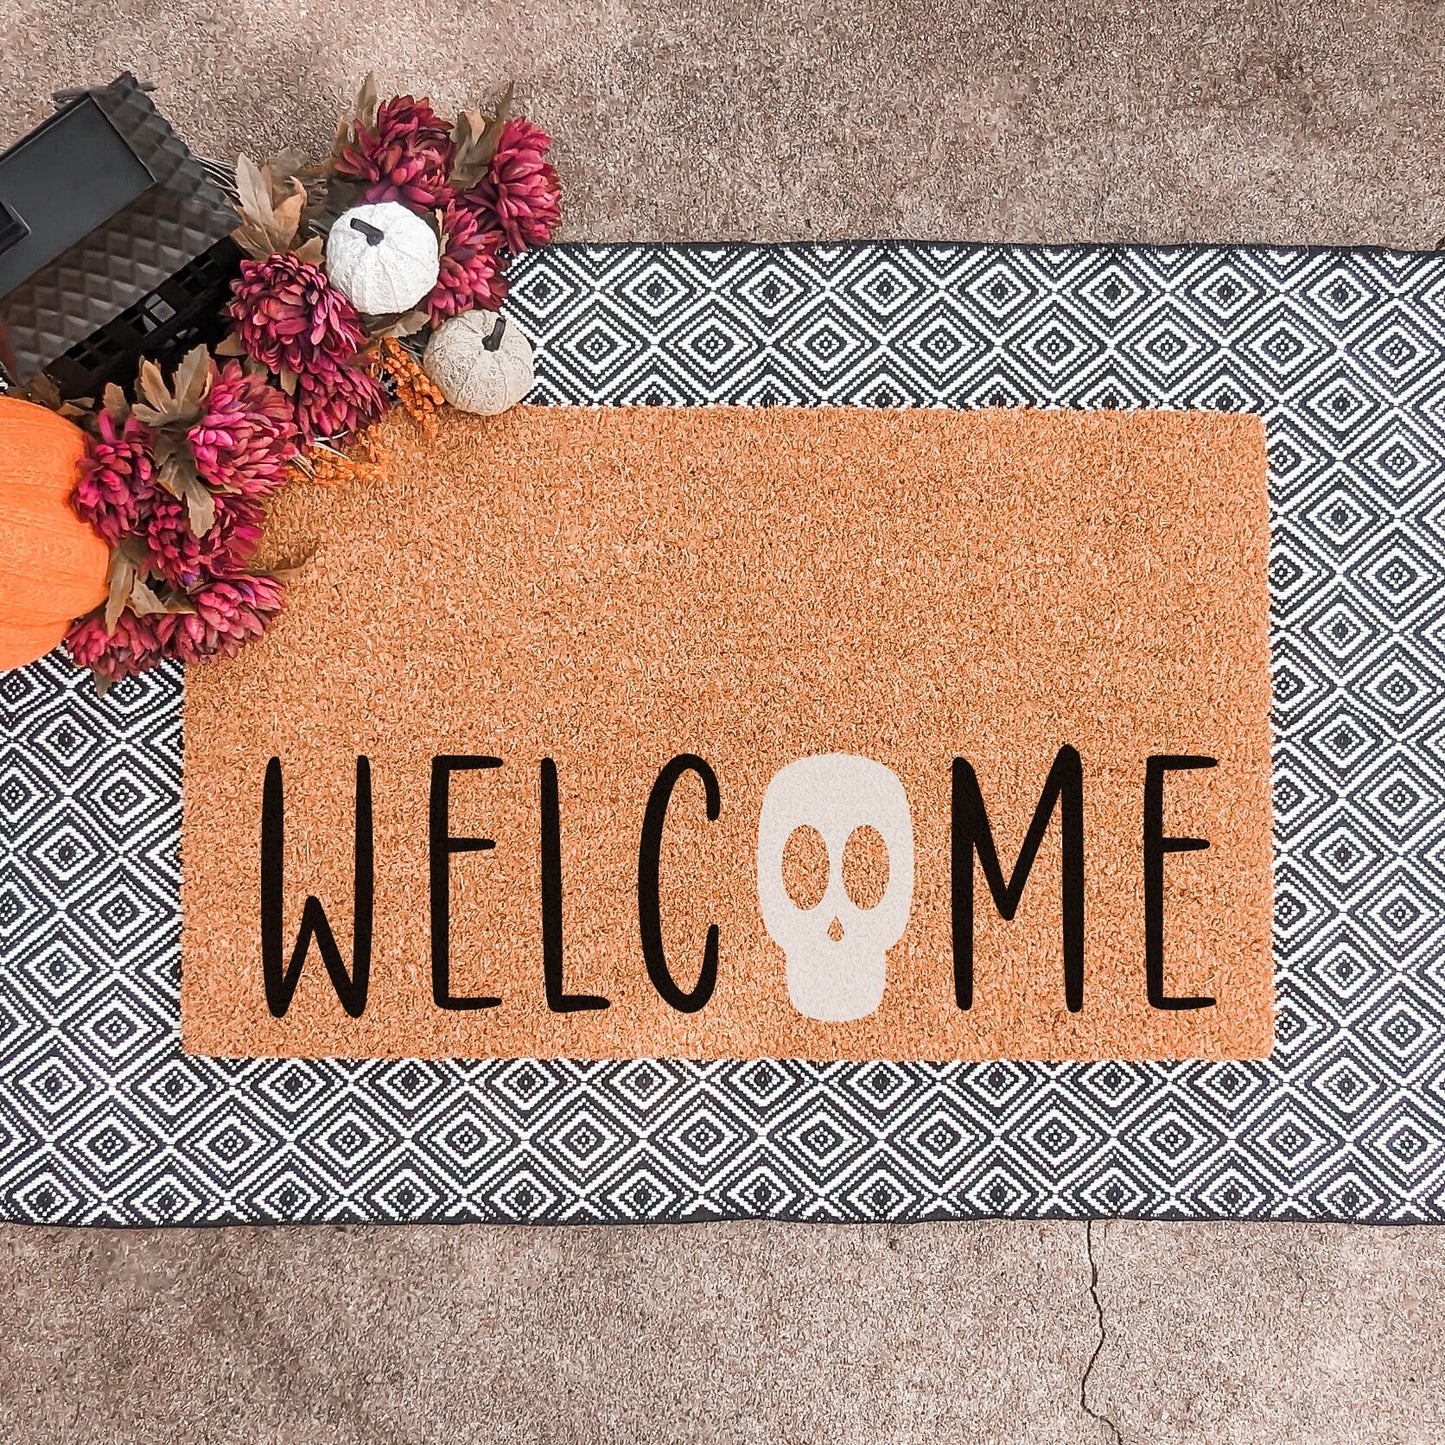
481, 362
382, 257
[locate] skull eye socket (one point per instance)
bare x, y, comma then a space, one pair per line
805, 867
865, 867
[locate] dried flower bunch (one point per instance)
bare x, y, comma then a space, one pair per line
177, 473
176, 482
484, 180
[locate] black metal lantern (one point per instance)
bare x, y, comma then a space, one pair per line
114, 243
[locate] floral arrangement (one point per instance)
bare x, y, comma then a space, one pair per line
178, 472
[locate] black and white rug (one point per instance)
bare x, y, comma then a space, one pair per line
104, 1121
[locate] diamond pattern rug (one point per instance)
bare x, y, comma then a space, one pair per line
104, 1121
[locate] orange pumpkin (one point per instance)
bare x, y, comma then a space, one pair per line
52, 565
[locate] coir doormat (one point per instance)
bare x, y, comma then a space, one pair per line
104, 1116
618, 670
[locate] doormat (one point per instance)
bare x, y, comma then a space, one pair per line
104, 1118
644, 659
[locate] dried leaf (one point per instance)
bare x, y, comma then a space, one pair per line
181, 408
231, 346
167, 444
476, 136
368, 101
254, 193
288, 571
363, 116
272, 205
172, 468
120, 582
113, 402
194, 378
253, 240
290, 165
176, 472
313, 251
200, 505
151, 384
467, 133
288, 212
42, 390
143, 602
288, 382
468, 124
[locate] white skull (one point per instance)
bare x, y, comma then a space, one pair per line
835, 793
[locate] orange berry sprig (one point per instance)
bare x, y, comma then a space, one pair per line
416, 392
365, 461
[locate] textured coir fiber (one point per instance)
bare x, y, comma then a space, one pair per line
611, 588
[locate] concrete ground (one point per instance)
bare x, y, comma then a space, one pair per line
761, 119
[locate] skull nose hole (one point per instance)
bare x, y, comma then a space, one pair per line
835, 931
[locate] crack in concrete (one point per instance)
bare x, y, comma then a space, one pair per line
1084, 1405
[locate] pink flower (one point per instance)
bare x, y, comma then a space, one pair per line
230, 612
117, 477
247, 437
133, 647
520, 194
288, 314
406, 158
335, 402
471, 269
181, 557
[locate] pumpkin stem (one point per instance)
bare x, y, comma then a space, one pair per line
374, 235
494, 341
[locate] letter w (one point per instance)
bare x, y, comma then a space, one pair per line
281, 979
971, 831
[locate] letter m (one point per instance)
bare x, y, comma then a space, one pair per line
972, 834
281, 977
